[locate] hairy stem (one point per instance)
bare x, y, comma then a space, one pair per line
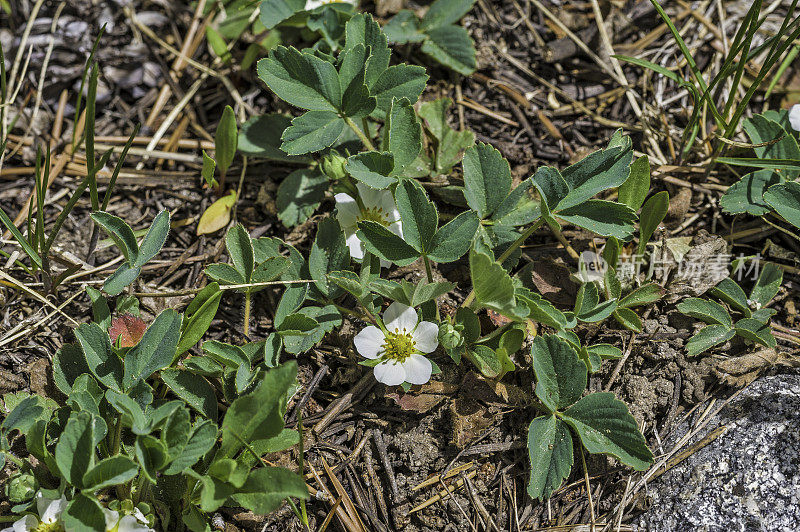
357, 130
507, 253
247, 303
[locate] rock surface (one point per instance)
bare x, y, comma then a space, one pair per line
748, 479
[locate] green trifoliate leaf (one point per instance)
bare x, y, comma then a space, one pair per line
599, 171
110, 472
755, 331
226, 140
83, 514
767, 285
329, 253
299, 195
154, 239
362, 30
605, 218
202, 438
707, 311
327, 318
302, 79
207, 173
635, 189
492, 284
155, 350
732, 294
543, 311
605, 426
551, 185
653, 213
198, 316
449, 142
417, 213
644, 295
356, 101
269, 270
487, 179
707, 338
75, 450
550, 453
104, 364
403, 137
312, 132
193, 389
403, 28
785, 199
560, 375
372, 168
121, 279
385, 244
747, 194
353, 63
266, 488
445, 12
151, 454
519, 207
399, 81
261, 137
775, 141
273, 12
258, 414
240, 250
224, 274
452, 47
454, 238
120, 232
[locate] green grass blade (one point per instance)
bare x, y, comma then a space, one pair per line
118, 167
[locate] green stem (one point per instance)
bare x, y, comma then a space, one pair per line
560, 236
16, 461
357, 130
247, 303
429, 273
115, 443
507, 253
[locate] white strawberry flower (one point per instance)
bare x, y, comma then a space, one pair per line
49, 516
376, 206
400, 347
314, 4
794, 116
127, 523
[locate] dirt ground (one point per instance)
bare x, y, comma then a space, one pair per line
522, 100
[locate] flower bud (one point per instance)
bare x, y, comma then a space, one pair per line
332, 165
450, 335
21, 488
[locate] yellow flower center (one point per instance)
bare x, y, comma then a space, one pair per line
398, 346
374, 214
49, 527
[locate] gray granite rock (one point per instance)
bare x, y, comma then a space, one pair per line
748, 479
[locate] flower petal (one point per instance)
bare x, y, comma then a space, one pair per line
390, 373
794, 117
426, 336
369, 342
50, 510
26, 524
418, 369
130, 524
355, 246
399, 317
112, 518
347, 212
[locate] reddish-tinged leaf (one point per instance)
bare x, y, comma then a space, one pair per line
127, 329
